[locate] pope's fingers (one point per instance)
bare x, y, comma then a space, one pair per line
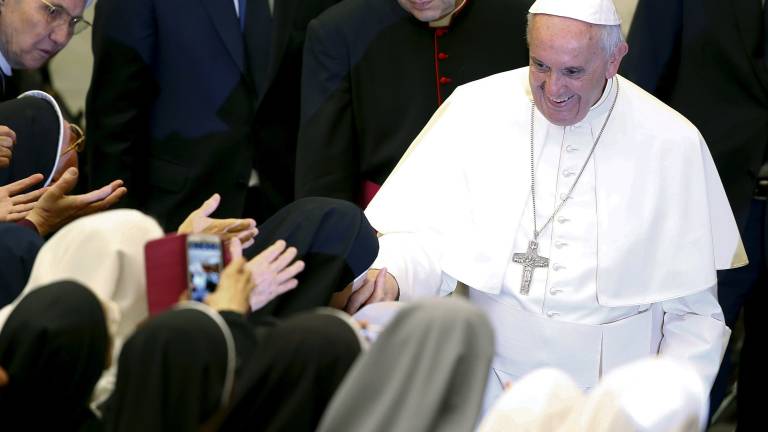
359, 297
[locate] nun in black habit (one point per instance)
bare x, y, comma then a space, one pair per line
53, 348
190, 368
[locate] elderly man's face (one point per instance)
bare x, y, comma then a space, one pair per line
27, 39
568, 67
428, 10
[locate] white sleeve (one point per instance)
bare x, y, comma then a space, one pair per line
411, 260
694, 331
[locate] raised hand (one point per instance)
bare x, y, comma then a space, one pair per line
7, 140
55, 208
199, 222
15, 206
235, 284
273, 272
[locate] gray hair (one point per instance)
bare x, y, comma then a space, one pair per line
610, 36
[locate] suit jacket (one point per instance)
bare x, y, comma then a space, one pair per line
705, 59
373, 76
176, 110
18, 248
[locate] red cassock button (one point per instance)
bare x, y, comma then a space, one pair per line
442, 56
445, 80
441, 31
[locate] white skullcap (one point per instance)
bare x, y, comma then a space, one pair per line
591, 11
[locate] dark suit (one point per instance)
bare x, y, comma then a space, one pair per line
18, 248
374, 75
179, 111
705, 58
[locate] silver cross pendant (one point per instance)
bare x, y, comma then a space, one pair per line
530, 261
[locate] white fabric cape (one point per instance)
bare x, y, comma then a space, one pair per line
664, 222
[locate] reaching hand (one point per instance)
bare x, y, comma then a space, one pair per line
15, 207
7, 140
379, 286
198, 222
235, 284
55, 208
272, 273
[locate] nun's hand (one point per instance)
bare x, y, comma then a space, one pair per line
199, 222
235, 284
274, 271
14, 205
7, 140
55, 208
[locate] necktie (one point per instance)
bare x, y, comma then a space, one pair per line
258, 40
765, 33
241, 10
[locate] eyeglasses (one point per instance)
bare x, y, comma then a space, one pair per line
76, 140
58, 16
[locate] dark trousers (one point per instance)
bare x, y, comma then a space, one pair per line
737, 289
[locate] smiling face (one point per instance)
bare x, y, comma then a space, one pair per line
27, 40
568, 67
428, 10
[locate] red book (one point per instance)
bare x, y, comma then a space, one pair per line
166, 270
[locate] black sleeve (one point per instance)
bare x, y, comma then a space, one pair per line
326, 159
654, 45
18, 249
121, 93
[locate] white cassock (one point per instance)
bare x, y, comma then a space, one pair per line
632, 254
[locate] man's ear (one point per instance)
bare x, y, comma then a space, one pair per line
3, 377
615, 59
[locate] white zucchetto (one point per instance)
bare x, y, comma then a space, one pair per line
591, 11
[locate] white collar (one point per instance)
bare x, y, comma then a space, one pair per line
5, 66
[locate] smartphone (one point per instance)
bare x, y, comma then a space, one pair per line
204, 264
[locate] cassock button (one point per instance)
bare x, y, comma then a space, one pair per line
562, 219
552, 314
560, 244
441, 31
557, 267
442, 56
571, 148
564, 196
568, 173
445, 80
555, 291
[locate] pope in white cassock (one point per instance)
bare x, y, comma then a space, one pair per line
586, 217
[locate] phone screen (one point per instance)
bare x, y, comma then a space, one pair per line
204, 266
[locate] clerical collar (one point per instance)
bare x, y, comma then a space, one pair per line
604, 96
446, 20
603, 104
4, 65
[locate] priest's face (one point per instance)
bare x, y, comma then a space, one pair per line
568, 67
28, 34
428, 10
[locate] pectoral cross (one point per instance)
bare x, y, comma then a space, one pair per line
530, 261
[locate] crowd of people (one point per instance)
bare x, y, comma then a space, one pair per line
468, 219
